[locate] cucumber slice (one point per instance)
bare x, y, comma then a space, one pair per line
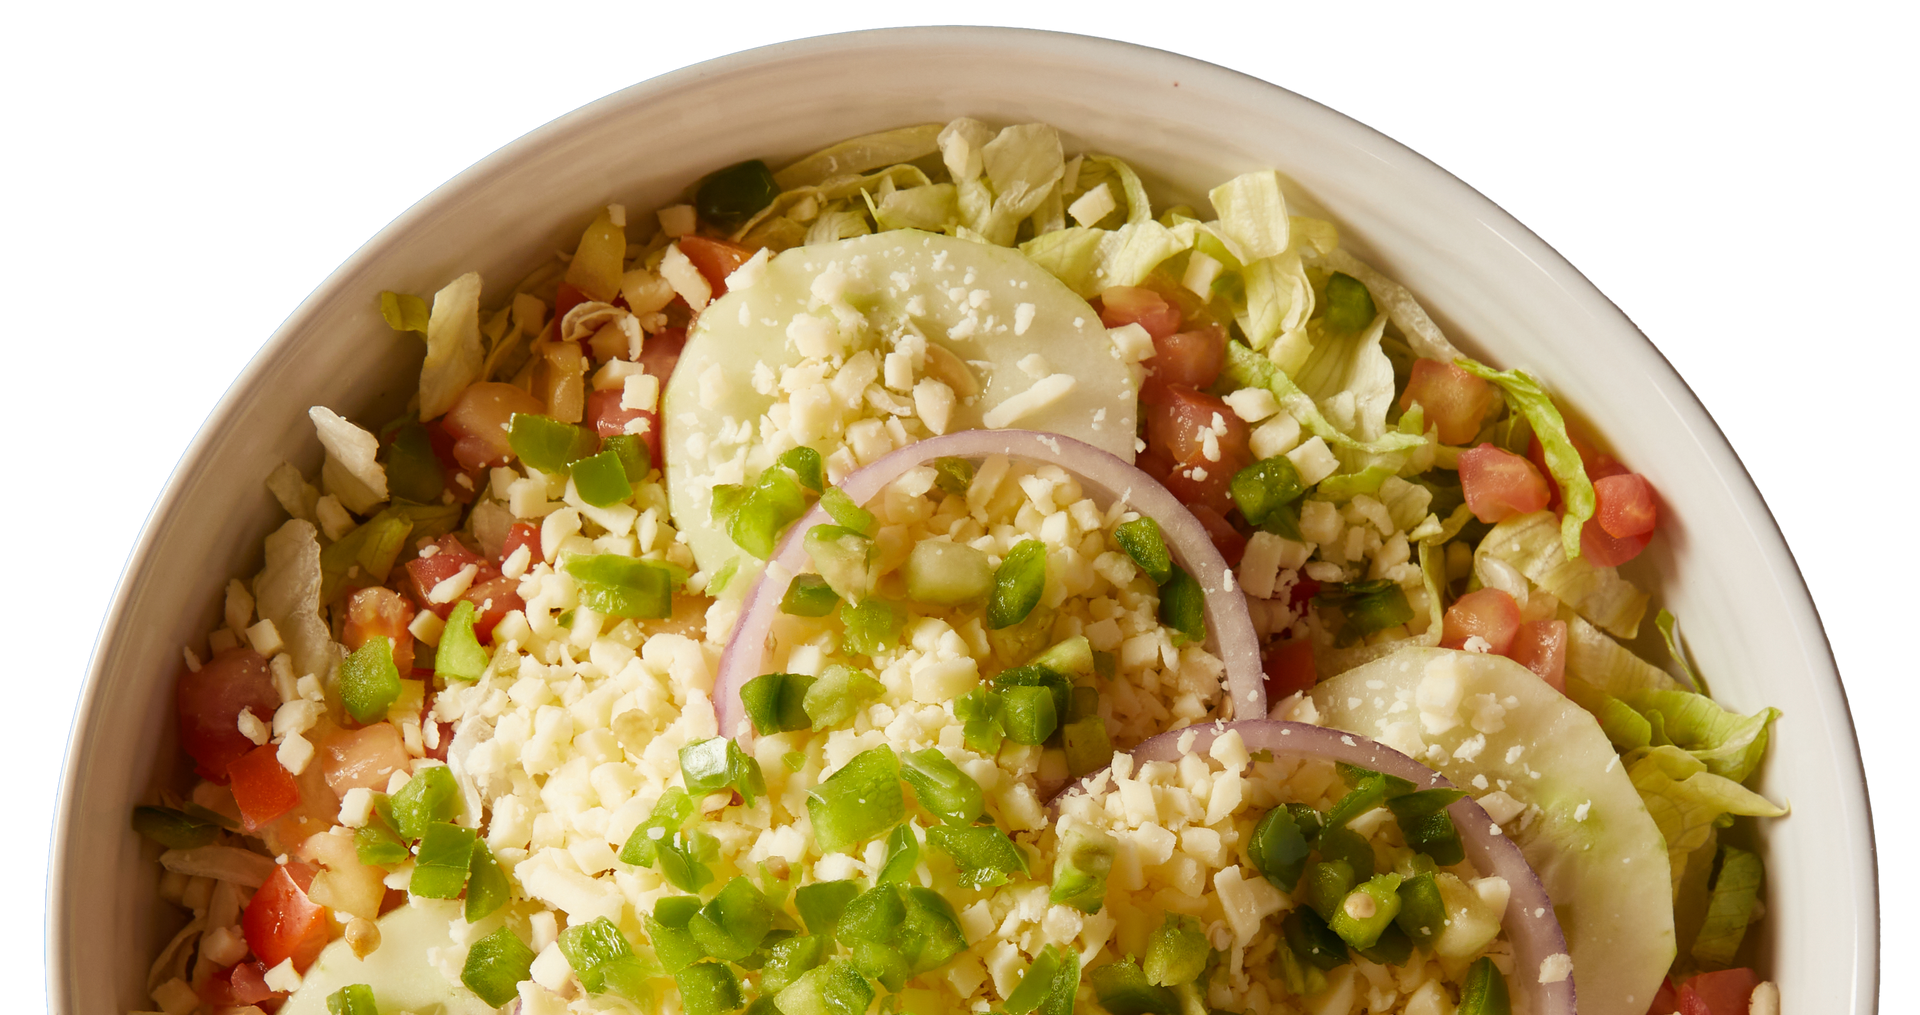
398, 971
872, 289
1593, 844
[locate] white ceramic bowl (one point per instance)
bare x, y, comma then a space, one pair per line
1498, 290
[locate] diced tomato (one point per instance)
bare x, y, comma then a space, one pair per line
1228, 540
1624, 506
716, 259
1178, 429
282, 923
1489, 614
1598, 465
1726, 992
522, 534
660, 353
261, 787
1123, 305
363, 758
1541, 646
236, 986
1154, 462
208, 704
1499, 484
1451, 399
566, 299
1289, 668
1602, 550
608, 417
1666, 1000
1304, 589
492, 595
1192, 358
478, 422
379, 611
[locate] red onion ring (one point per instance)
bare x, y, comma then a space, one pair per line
1230, 634
1531, 926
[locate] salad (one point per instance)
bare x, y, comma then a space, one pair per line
930, 578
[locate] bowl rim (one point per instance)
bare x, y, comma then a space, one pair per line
58, 962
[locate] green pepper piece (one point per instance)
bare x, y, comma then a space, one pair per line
1124, 990
413, 471
176, 829
636, 459
1177, 952
1141, 540
807, 467
1369, 606
601, 480
873, 626
1392, 949
548, 444
669, 813
1035, 983
1367, 911
730, 196
789, 958
429, 796
734, 923
495, 966
1308, 820
714, 764
857, 802
1312, 941
1017, 584
616, 585
903, 854
844, 559
1370, 790
1266, 486
1328, 883
820, 904
979, 713
1183, 605
459, 656
1087, 745
369, 681
1427, 827
487, 887
375, 846
1349, 847
352, 999
1279, 850
845, 513
1349, 305
984, 854
1028, 714
440, 866
666, 927
727, 498
682, 859
708, 988
774, 503
809, 595
603, 959
775, 702
1485, 992
1081, 865
835, 988
945, 573
952, 475
1423, 913
837, 696
1032, 675
942, 788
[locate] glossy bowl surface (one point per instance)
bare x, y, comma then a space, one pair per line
1497, 289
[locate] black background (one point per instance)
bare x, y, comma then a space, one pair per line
252, 169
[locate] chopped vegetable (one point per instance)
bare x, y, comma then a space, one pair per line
984, 854
369, 681
809, 595
459, 655
1141, 540
495, 966
775, 702
1017, 584
1183, 605
858, 801
941, 787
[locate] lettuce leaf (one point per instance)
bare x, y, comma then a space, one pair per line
1246, 368
287, 592
1736, 889
1626, 729
857, 155
1685, 800
455, 356
1607, 665
1668, 625
1402, 309
1089, 260
1253, 216
1532, 545
1351, 379
1279, 299
933, 207
1731, 745
1528, 398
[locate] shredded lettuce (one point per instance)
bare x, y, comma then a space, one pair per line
1531, 544
1669, 633
1626, 729
1599, 660
1736, 890
1351, 379
857, 155
287, 592
1089, 260
404, 311
1020, 164
351, 471
1246, 368
1279, 299
1529, 399
1685, 800
1253, 216
455, 357
932, 207
1405, 311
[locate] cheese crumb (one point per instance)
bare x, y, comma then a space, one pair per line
1093, 205
252, 727
677, 220
1557, 967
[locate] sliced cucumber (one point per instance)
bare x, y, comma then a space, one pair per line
882, 285
398, 971
1593, 844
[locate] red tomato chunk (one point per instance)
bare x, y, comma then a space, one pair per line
1488, 614
379, 612
607, 417
237, 986
478, 422
1452, 399
1624, 506
1727, 992
209, 703
492, 595
262, 788
282, 923
364, 758
1289, 668
522, 534
1179, 431
1123, 305
1499, 484
1541, 646
716, 259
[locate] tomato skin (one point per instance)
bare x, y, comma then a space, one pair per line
1624, 505
1490, 614
608, 418
1602, 550
1541, 646
1176, 431
380, 612
1451, 399
1228, 540
1289, 668
236, 986
282, 923
522, 534
478, 419
208, 705
716, 259
263, 789
1499, 484
1666, 1000
363, 758
1192, 358
1122, 305
568, 297
1301, 596
1726, 992
660, 353
492, 595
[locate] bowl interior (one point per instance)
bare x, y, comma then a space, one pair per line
1496, 288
